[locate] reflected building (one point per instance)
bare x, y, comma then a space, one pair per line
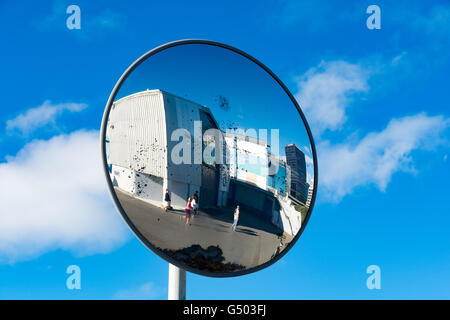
259, 182
141, 141
310, 192
295, 158
142, 132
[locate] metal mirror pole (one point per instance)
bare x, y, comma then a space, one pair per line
177, 283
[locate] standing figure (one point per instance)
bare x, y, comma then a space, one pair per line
195, 202
167, 200
236, 218
188, 210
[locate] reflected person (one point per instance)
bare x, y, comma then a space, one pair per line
236, 218
188, 210
194, 202
167, 200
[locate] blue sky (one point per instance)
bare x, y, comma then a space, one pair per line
376, 100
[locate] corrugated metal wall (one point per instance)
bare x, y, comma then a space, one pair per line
137, 132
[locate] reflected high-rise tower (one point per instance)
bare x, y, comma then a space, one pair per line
295, 158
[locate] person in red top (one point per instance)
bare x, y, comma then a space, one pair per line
188, 210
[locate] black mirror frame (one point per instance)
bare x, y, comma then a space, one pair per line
116, 200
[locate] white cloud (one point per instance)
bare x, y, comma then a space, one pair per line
147, 291
53, 195
41, 116
376, 157
398, 58
325, 92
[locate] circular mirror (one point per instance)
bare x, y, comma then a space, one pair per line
209, 158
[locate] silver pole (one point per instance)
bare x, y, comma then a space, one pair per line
177, 283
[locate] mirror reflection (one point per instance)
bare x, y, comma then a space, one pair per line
209, 158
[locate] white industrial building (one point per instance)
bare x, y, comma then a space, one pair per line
139, 130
